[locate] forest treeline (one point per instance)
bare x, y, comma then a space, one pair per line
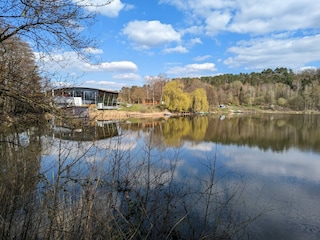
279, 88
22, 87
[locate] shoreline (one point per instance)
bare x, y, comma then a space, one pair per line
105, 115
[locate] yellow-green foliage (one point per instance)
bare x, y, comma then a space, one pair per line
177, 100
199, 100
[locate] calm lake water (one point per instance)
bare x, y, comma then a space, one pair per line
270, 164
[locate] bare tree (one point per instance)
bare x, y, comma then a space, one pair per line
48, 24
155, 85
20, 83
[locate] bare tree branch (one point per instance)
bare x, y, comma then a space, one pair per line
48, 24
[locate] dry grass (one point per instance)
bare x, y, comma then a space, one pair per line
103, 115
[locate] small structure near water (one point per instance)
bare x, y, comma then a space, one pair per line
83, 96
74, 103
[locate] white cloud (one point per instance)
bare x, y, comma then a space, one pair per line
59, 61
91, 50
147, 34
192, 69
70, 61
307, 68
273, 15
201, 58
178, 49
99, 82
61, 84
250, 16
264, 53
110, 10
103, 84
127, 76
217, 21
120, 66
195, 30
194, 41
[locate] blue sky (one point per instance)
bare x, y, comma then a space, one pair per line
183, 38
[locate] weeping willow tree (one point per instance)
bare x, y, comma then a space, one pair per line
176, 99
199, 100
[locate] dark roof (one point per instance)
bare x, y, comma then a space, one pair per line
85, 88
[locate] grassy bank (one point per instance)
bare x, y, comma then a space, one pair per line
143, 111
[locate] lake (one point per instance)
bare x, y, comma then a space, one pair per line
225, 177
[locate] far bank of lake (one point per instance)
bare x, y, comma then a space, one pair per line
102, 115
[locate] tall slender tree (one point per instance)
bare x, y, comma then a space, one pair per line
20, 82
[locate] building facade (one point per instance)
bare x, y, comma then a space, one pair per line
81, 96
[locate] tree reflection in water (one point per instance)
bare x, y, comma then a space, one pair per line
20, 166
131, 184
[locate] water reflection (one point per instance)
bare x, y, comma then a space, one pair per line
291, 163
277, 155
267, 132
20, 155
146, 185
170, 179
96, 131
288, 182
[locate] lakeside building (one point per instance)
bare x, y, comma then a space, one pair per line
84, 96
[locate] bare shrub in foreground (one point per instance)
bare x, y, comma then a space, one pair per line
110, 190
